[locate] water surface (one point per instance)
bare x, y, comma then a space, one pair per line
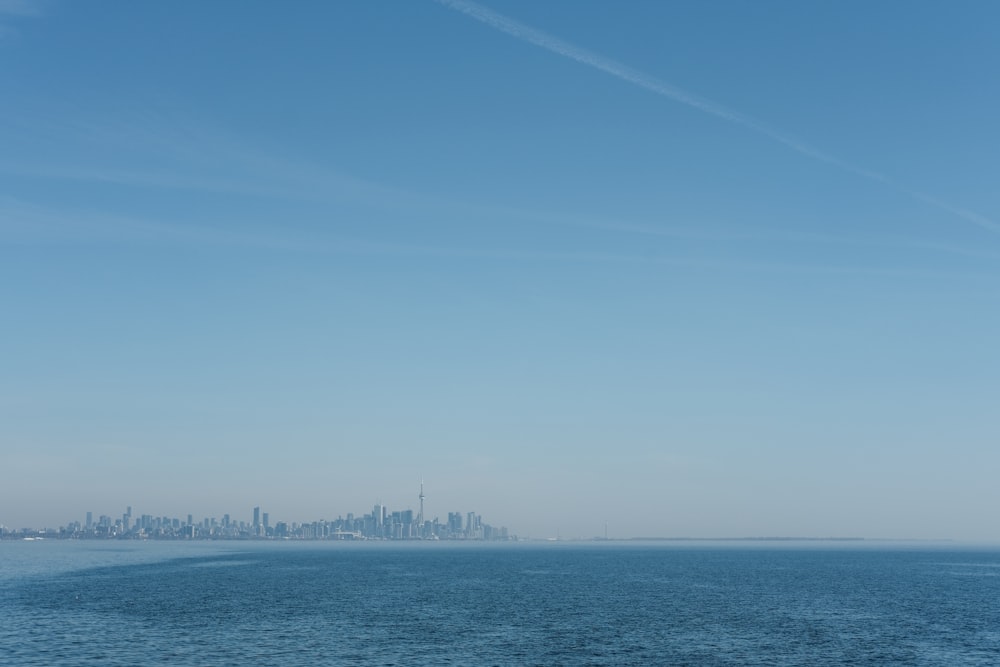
202, 603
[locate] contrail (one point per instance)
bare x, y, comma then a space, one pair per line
616, 69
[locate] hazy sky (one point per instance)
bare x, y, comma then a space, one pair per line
688, 268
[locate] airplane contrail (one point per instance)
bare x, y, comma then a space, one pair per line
616, 69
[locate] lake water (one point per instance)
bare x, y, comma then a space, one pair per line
202, 603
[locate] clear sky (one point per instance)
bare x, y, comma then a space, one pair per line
689, 268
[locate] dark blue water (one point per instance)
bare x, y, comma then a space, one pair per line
439, 604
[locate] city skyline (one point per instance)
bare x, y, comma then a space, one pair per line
380, 523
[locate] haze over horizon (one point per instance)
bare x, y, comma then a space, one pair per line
688, 269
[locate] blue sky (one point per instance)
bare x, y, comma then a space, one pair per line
686, 268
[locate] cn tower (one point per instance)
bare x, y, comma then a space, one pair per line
420, 518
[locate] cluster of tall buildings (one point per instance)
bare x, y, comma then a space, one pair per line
380, 524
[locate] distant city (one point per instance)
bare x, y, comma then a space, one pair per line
379, 524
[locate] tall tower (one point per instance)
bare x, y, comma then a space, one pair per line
420, 518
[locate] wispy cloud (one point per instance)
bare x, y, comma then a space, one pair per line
16, 9
616, 69
713, 235
29, 223
145, 149
179, 153
20, 7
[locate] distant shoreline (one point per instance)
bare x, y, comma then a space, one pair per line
742, 539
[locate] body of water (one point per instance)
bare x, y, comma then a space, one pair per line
123, 603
